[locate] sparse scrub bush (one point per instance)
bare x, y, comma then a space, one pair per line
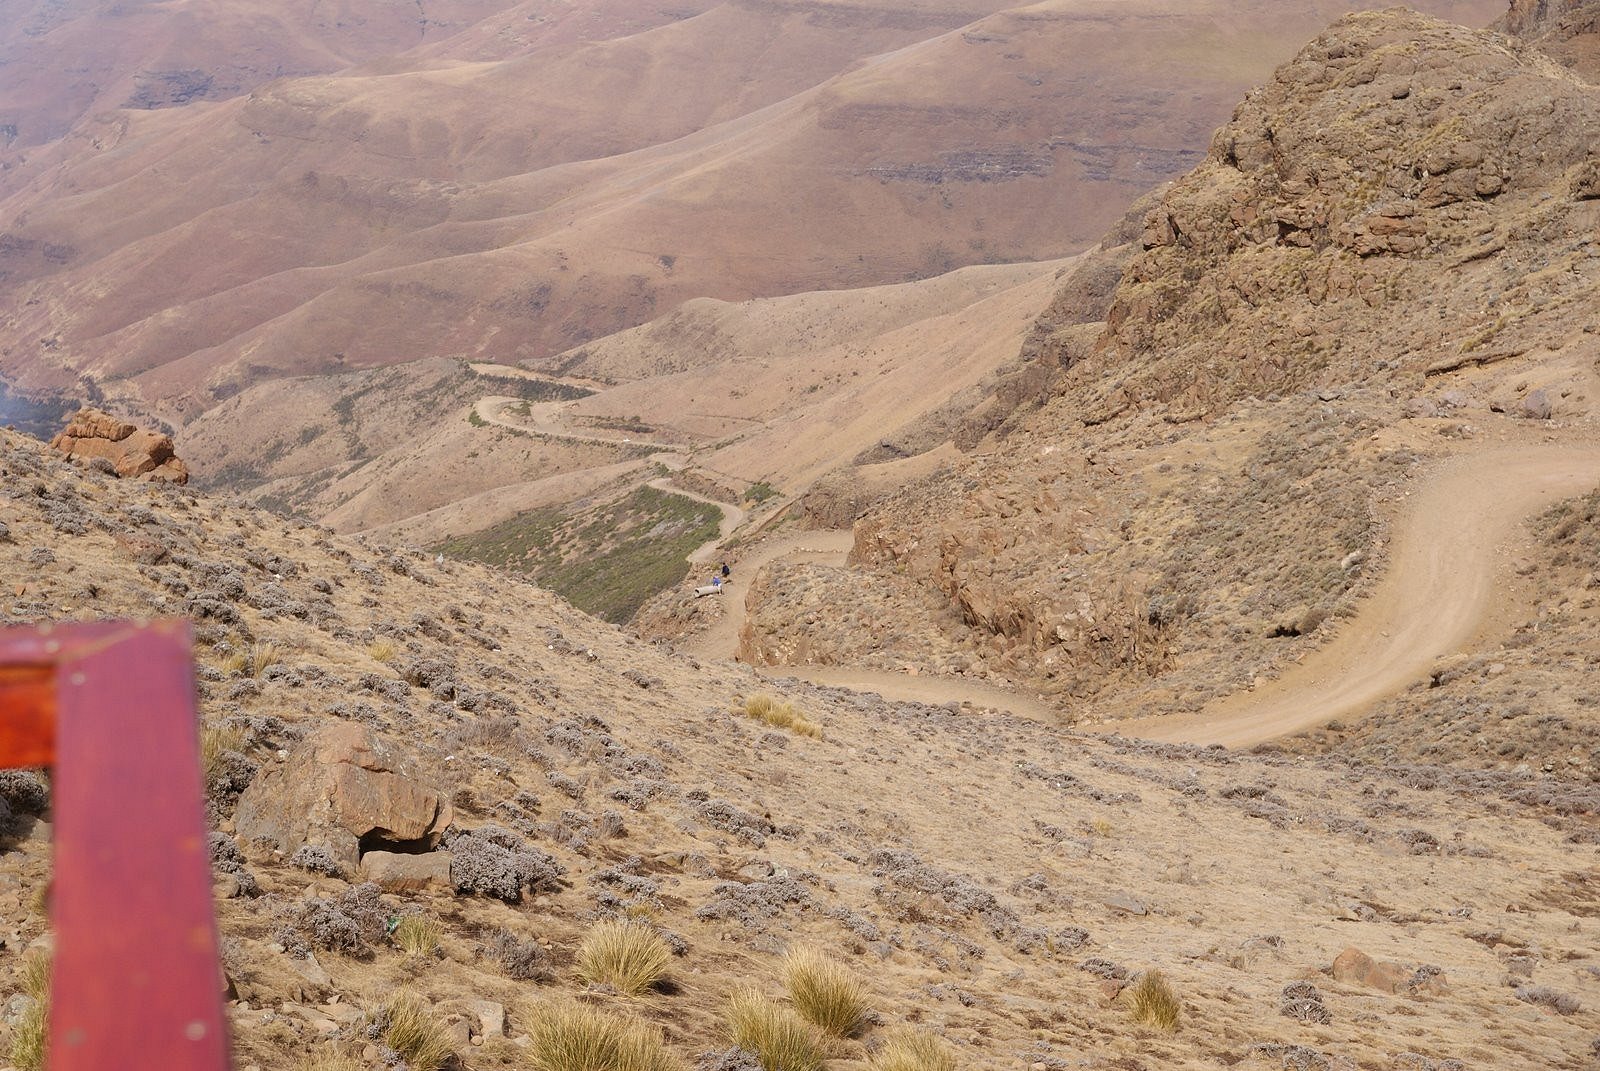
574, 1037
779, 1038
316, 859
498, 863
32, 1030
624, 953
406, 1027
1153, 1002
346, 925
765, 708
523, 959
1561, 1003
913, 1050
824, 991
418, 935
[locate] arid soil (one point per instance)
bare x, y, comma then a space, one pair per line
1304, 332
1001, 880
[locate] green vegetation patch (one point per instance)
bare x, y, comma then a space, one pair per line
607, 560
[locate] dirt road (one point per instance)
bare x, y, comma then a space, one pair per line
1437, 595
830, 548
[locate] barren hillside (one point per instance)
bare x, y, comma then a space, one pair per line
506, 200
1021, 879
1385, 264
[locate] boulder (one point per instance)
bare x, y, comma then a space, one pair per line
401, 873
96, 436
345, 788
1536, 406
1355, 967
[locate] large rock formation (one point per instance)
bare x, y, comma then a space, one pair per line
345, 789
132, 452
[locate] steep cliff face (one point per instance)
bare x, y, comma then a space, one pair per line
1388, 252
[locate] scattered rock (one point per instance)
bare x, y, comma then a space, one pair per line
343, 788
1355, 967
133, 454
400, 872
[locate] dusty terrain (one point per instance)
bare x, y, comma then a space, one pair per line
1383, 273
1015, 871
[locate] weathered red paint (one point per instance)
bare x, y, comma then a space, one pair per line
136, 983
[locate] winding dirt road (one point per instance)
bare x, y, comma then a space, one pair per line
1436, 597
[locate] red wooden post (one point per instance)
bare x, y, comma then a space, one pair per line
136, 983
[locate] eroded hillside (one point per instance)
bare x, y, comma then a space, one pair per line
1387, 260
1017, 882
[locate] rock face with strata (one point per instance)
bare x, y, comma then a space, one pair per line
346, 789
132, 452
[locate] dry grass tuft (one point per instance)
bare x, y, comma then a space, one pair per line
780, 1039
763, 707
235, 662
575, 1037
263, 655
418, 935
824, 991
385, 651
913, 1050
32, 1030
1153, 1001
215, 741
331, 1062
409, 1030
624, 953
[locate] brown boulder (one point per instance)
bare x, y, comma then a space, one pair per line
133, 453
344, 788
1355, 967
401, 873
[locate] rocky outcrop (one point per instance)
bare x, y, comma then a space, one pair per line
345, 789
1302, 217
132, 453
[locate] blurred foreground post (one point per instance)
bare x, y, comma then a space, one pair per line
111, 707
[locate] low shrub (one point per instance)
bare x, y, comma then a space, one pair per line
825, 992
624, 953
779, 1038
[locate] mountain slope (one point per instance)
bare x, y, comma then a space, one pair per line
1385, 260
504, 207
999, 900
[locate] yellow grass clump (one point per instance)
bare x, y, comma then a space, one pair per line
215, 741
32, 1030
913, 1050
409, 1030
779, 1038
417, 935
332, 1062
763, 707
624, 953
1153, 1001
263, 655
824, 991
383, 651
235, 662
575, 1037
